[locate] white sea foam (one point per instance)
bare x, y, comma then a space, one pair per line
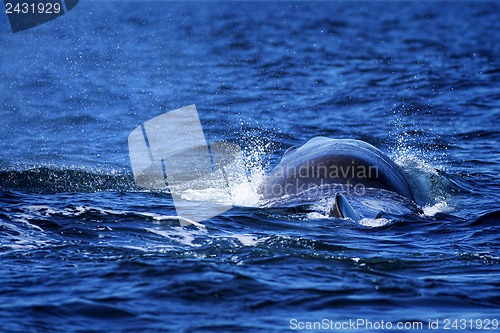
318, 215
440, 207
243, 179
375, 223
246, 239
178, 235
29, 238
46, 211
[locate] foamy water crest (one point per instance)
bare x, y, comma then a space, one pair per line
429, 185
243, 178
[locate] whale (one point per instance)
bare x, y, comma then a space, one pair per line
347, 166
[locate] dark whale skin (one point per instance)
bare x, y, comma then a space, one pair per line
324, 161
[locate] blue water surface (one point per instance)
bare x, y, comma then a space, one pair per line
83, 249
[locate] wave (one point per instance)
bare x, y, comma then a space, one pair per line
55, 179
432, 188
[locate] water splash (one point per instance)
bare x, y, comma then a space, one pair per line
243, 178
439, 207
430, 186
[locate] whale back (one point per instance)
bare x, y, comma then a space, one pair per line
352, 164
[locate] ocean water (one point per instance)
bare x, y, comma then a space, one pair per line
83, 249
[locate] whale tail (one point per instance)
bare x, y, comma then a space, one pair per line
341, 208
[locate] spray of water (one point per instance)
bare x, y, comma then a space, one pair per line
422, 169
243, 176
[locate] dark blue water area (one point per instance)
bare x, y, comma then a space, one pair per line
83, 249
